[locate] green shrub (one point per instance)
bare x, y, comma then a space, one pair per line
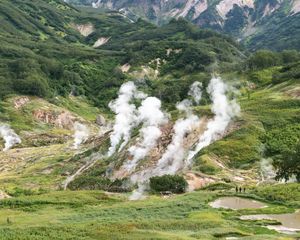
174, 184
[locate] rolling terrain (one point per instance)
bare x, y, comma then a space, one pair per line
271, 24
84, 91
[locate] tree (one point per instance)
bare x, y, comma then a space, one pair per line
290, 56
289, 165
263, 59
174, 184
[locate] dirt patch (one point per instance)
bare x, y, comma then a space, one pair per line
196, 180
20, 102
62, 119
125, 68
294, 93
4, 195
85, 29
101, 41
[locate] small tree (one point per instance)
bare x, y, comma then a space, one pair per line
174, 184
263, 59
289, 165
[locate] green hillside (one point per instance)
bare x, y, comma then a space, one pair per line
61, 66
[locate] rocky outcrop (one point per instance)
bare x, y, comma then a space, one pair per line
85, 29
100, 120
63, 119
20, 102
101, 41
296, 7
196, 180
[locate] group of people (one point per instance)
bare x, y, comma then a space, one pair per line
240, 189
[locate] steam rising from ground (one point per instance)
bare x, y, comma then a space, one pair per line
196, 92
9, 136
151, 115
267, 169
126, 116
172, 159
81, 134
224, 111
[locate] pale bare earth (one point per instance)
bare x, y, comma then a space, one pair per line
3, 195
20, 102
125, 68
196, 181
225, 6
101, 41
200, 7
85, 29
296, 7
62, 119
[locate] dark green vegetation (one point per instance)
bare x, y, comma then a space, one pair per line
43, 54
168, 183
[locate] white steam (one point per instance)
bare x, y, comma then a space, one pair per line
267, 169
152, 117
172, 159
224, 111
126, 116
196, 91
9, 136
81, 134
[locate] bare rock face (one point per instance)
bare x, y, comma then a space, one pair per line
100, 120
20, 102
62, 119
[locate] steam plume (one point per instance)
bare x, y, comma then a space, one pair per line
172, 159
81, 134
9, 136
126, 117
224, 111
196, 91
267, 169
151, 115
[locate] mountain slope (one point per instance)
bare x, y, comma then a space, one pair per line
248, 20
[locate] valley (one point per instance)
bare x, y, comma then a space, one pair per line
115, 128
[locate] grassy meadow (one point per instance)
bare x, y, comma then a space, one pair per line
100, 215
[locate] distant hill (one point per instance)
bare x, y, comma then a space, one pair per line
255, 23
50, 48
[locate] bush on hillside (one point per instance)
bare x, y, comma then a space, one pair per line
174, 184
263, 59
